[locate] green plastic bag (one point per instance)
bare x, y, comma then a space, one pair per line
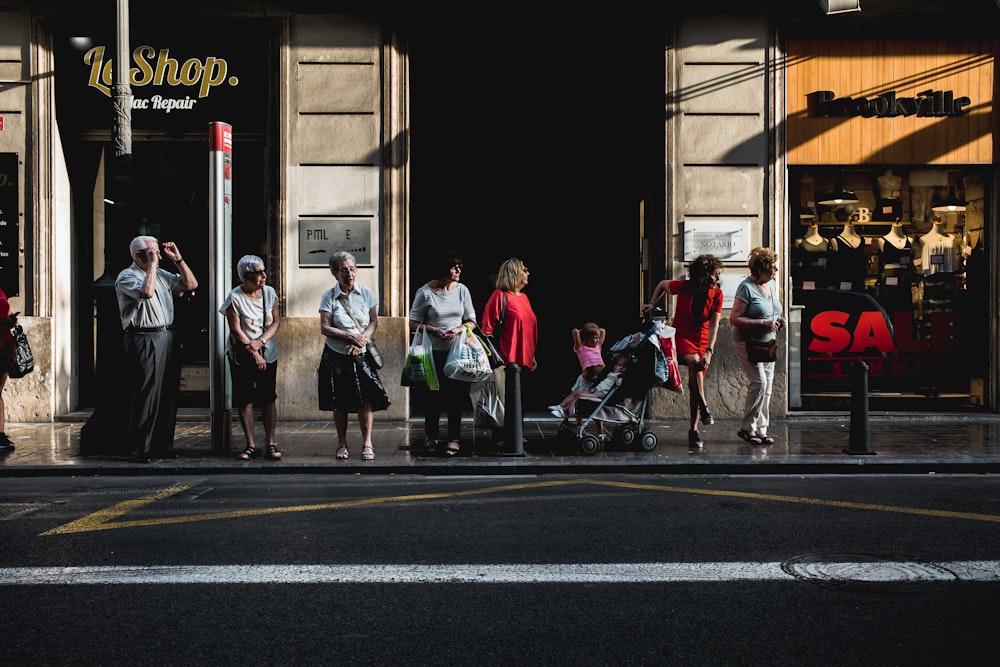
419, 371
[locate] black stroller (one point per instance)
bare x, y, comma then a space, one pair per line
624, 407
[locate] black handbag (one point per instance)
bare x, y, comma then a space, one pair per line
239, 355
762, 351
496, 361
22, 361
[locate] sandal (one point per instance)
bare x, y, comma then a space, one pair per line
247, 454
367, 453
272, 452
766, 439
706, 417
694, 439
342, 453
431, 447
453, 448
749, 437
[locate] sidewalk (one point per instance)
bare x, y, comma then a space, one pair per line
804, 445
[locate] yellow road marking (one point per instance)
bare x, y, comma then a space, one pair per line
872, 507
105, 519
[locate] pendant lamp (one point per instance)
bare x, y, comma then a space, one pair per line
839, 196
951, 203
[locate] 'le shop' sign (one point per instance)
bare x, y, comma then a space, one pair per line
929, 103
729, 240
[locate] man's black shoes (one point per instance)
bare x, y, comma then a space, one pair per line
6, 445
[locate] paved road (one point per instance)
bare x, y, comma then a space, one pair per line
538, 570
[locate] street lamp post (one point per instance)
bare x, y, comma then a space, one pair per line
106, 431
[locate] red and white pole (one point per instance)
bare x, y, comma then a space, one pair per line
220, 246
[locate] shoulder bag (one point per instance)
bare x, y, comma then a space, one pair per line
489, 340
491, 350
22, 361
374, 356
763, 351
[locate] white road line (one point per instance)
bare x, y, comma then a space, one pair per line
555, 573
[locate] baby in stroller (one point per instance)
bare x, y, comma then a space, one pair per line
588, 342
609, 379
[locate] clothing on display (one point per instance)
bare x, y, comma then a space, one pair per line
848, 260
810, 260
895, 287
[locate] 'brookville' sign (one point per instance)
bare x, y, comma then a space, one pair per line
889, 105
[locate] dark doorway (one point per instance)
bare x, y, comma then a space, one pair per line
540, 137
168, 170
170, 201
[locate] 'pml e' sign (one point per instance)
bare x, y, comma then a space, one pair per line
319, 238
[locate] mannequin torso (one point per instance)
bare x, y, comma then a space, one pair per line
849, 236
895, 237
812, 236
888, 185
937, 250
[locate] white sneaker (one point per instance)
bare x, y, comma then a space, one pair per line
558, 411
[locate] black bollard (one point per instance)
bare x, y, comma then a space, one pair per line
513, 416
860, 440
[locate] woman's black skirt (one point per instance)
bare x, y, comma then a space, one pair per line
347, 383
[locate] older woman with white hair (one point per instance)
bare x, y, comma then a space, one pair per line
348, 378
251, 309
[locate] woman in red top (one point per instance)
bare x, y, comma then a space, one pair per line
517, 324
696, 318
508, 313
7, 322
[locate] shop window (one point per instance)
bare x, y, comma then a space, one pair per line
889, 266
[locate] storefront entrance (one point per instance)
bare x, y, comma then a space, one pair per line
167, 181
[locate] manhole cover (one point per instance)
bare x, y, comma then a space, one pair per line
868, 572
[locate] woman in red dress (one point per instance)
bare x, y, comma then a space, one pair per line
7, 322
696, 318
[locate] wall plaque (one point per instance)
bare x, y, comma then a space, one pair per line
729, 240
319, 238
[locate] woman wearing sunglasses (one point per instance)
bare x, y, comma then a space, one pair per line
251, 309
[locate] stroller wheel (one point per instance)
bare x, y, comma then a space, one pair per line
624, 436
589, 444
647, 441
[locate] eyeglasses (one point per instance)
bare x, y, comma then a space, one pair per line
344, 270
258, 272
456, 267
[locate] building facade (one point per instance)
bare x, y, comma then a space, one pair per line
606, 164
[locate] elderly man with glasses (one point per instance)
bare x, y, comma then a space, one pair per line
146, 304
